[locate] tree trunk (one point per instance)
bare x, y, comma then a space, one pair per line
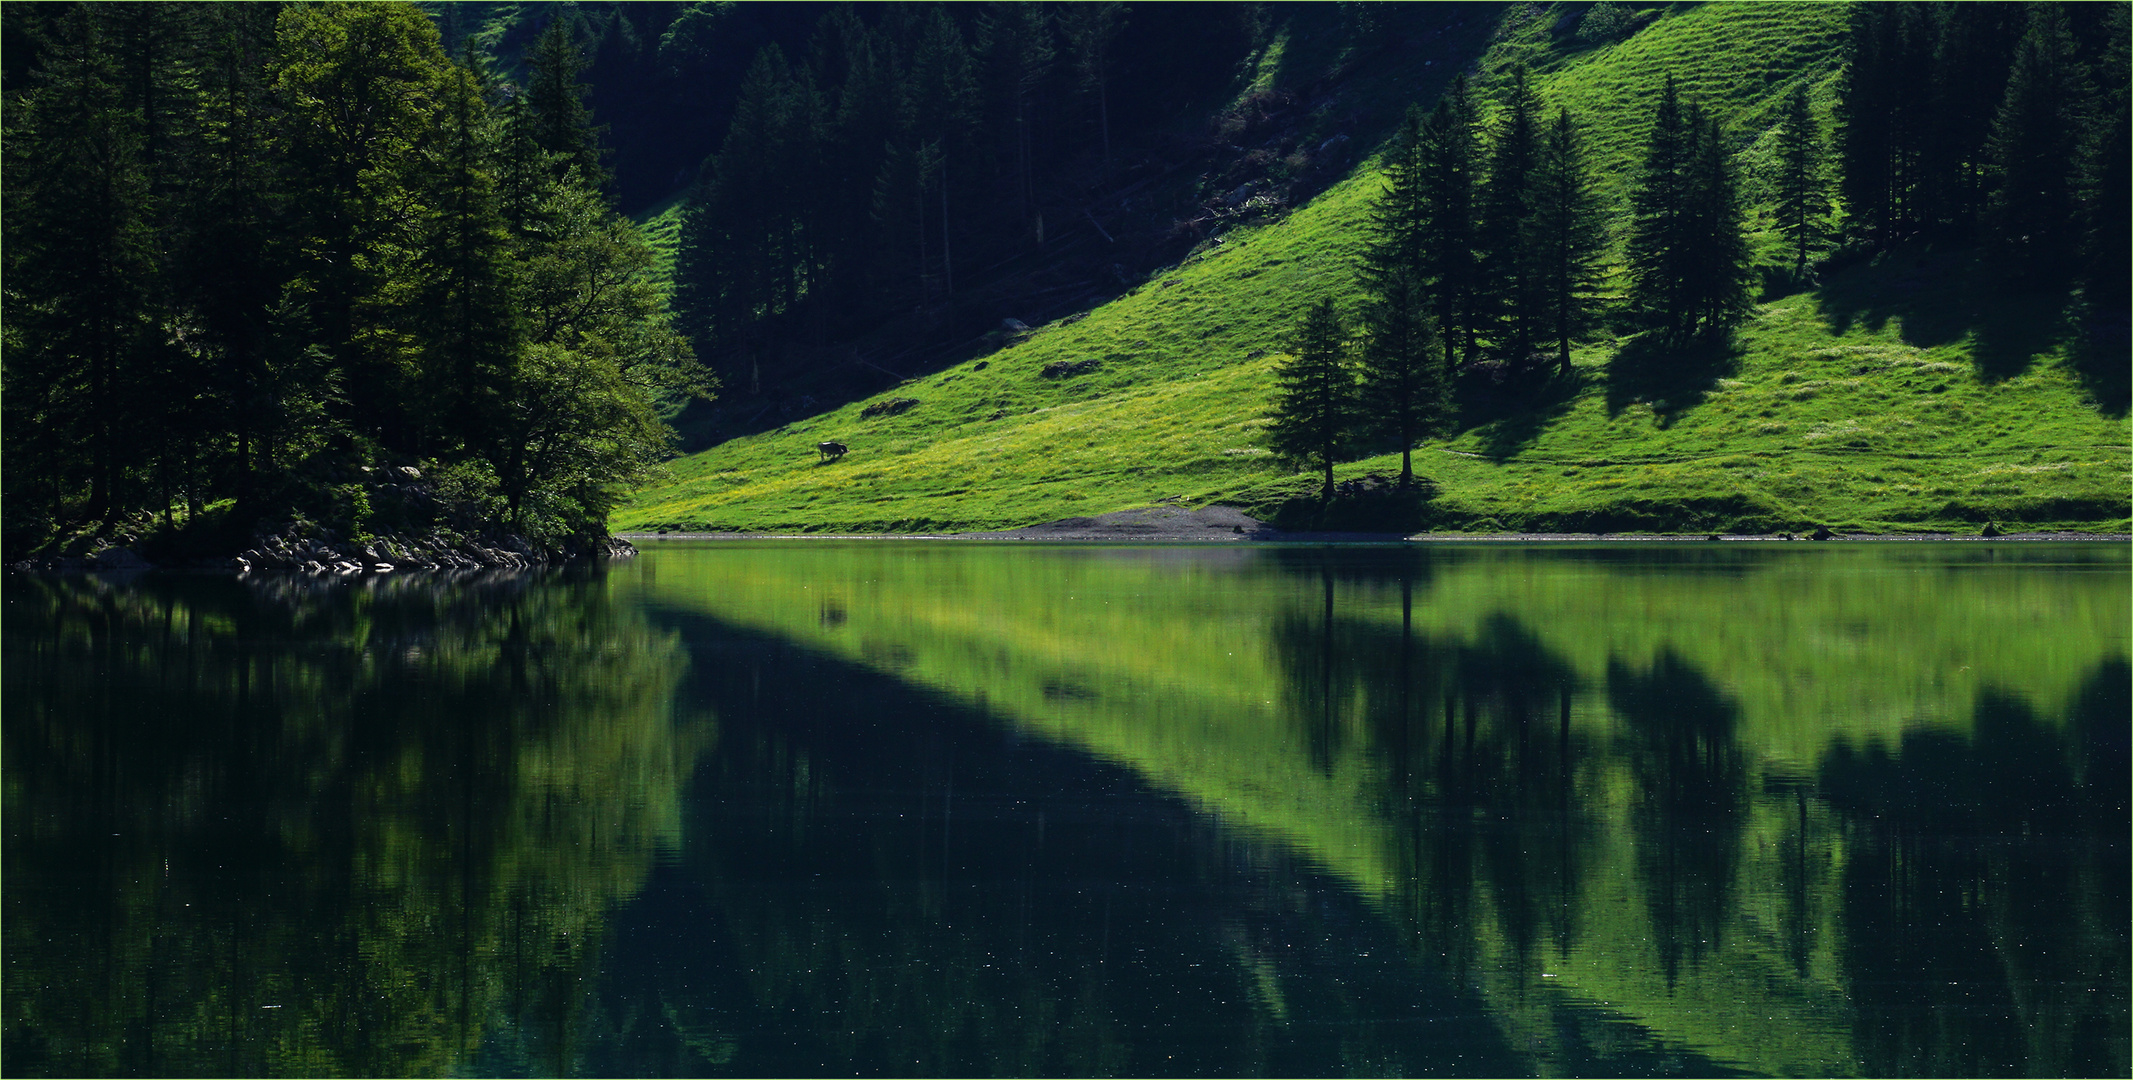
947, 261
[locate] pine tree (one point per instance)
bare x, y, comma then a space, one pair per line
465, 312
1507, 263
556, 117
1315, 406
1716, 261
2107, 194
82, 279
1444, 230
1406, 386
1688, 252
1090, 28
1015, 41
1802, 199
2033, 149
1566, 234
1659, 207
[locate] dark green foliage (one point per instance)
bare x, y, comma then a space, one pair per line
1802, 194
2030, 218
557, 118
1688, 256
1447, 158
1315, 405
1509, 262
255, 252
1406, 387
1566, 235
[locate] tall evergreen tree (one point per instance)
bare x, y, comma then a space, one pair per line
465, 312
2033, 149
1688, 255
556, 117
1659, 208
1406, 386
1508, 263
1315, 404
82, 278
2108, 197
1566, 234
1973, 52
1015, 41
1716, 259
1802, 199
1446, 159
1090, 28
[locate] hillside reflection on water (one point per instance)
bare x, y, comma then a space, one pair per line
896, 808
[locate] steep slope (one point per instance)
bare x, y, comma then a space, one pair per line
1899, 395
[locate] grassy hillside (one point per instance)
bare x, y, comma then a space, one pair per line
1900, 395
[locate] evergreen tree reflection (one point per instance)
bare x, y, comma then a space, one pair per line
1984, 894
322, 827
1691, 790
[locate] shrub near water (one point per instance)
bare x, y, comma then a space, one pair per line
1900, 395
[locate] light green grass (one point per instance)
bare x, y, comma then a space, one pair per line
1834, 411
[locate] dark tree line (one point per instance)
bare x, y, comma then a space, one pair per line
907, 148
253, 251
1999, 123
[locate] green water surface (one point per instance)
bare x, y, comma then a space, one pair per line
890, 807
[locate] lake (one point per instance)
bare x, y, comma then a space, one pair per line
896, 807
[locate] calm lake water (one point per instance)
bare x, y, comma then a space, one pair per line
957, 809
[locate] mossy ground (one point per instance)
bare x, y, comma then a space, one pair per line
1898, 395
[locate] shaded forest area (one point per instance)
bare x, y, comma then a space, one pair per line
291, 269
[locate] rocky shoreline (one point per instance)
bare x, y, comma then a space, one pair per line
322, 553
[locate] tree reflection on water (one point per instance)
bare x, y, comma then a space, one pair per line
283, 826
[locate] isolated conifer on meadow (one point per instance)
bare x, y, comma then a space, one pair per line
1406, 389
1566, 235
1315, 400
1802, 192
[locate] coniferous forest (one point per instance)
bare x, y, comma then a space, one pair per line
366, 268
295, 264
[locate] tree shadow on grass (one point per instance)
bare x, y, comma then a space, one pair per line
1671, 378
1512, 405
2101, 355
1939, 297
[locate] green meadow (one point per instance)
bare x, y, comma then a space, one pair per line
1900, 395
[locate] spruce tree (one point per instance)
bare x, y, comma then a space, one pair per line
1406, 387
1315, 402
1659, 221
1688, 251
556, 117
1566, 234
1510, 301
1090, 28
2033, 148
1802, 198
1447, 154
1716, 260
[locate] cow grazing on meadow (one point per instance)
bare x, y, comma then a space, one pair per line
830, 451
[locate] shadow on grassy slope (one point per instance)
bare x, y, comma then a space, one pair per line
1511, 410
1672, 379
1942, 297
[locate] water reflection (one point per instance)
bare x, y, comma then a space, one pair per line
1588, 784
1984, 897
322, 828
1017, 810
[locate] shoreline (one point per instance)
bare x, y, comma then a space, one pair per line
1398, 538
